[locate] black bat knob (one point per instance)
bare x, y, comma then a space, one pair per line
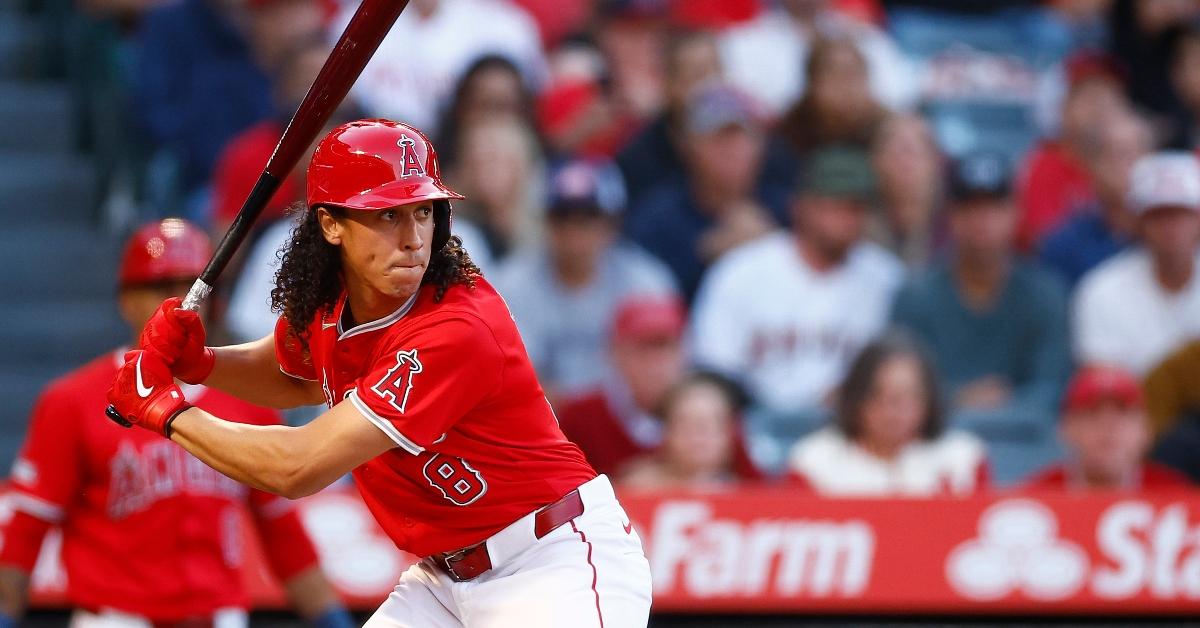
116, 417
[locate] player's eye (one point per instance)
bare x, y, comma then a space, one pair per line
426, 211
388, 215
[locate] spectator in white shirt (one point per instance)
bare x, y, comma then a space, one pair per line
1135, 308
414, 71
786, 313
888, 437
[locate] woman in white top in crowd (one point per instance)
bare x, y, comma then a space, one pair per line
888, 438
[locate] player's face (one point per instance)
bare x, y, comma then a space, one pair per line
384, 252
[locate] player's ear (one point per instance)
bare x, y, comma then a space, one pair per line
331, 229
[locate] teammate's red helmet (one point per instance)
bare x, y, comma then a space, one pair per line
164, 250
375, 164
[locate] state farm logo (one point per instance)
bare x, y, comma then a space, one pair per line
692, 549
1018, 549
1141, 550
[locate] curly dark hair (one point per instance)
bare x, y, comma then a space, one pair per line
310, 270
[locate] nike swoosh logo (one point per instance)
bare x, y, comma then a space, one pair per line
142, 391
628, 527
327, 325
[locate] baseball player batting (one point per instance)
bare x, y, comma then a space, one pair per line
151, 535
434, 405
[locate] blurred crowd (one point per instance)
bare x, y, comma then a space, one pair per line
866, 248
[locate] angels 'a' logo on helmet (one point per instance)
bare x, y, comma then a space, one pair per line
397, 383
410, 163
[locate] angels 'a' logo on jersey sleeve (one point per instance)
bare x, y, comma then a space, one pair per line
396, 385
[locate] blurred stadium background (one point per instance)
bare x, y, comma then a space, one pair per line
701, 212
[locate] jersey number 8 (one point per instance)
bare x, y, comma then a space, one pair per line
457, 481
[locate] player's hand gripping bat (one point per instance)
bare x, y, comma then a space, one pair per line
364, 33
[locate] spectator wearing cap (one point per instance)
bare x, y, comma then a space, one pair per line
996, 325
1136, 308
719, 202
888, 436
703, 443
785, 314
1105, 226
620, 420
563, 296
1106, 433
1054, 179
769, 56
654, 154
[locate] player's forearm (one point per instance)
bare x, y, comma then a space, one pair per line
288, 461
270, 458
14, 592
250, 372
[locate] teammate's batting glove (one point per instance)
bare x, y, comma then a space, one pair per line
177, 336
145, 394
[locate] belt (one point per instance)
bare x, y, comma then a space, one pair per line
470, 562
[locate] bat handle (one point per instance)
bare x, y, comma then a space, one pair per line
111, 413
198, 292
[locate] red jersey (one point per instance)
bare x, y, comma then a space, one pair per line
449, 382
1052, 186
1151, 477
591, 423
147, 528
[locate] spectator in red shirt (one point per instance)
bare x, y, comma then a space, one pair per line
1055, 179
1106, 432
702, 444
620, 421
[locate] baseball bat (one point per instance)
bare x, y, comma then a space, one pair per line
364, 33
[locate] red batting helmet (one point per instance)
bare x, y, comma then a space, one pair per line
376, 164
164, 250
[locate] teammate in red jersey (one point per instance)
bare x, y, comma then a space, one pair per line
434, 404
150, 534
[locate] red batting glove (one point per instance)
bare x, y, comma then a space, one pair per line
177, 336
145, 394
